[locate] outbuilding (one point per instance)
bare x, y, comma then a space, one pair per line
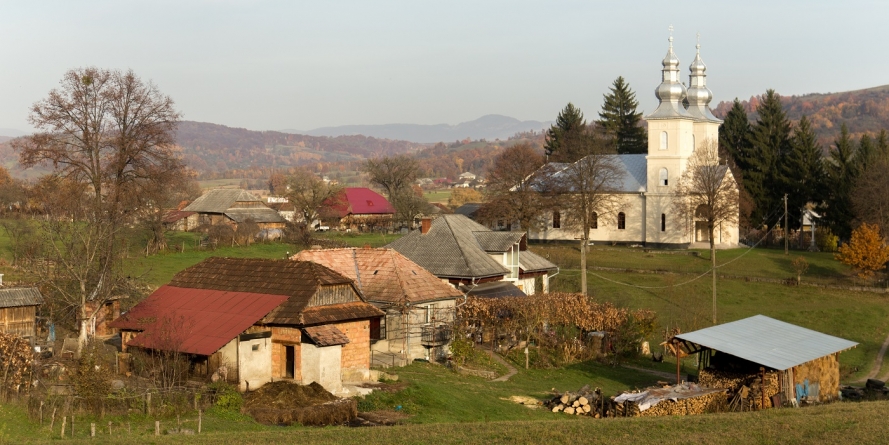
798, 363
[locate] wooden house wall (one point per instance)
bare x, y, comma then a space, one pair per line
19, 321
341, 293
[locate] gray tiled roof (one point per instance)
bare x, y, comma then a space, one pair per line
532, 262
469, 209
492, 241
220, 200
20, 296
257, 214
450, 249
768, 342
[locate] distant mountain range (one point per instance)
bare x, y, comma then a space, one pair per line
489, 127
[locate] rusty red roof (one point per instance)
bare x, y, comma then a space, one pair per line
326, 335
194, 321
361, 201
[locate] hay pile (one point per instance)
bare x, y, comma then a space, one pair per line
825, 371
285, 403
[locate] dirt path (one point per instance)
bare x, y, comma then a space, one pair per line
511, 371
878, 363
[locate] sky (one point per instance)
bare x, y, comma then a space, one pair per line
272, 65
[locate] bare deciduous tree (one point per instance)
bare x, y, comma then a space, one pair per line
392, 173
707, 192
514, 189
588, 186
110, 137
310, 195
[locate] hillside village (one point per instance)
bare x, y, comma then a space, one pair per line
582, 279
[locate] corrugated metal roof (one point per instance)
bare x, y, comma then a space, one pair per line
20, 296
768, 342
634, 169
194, 321
220, 200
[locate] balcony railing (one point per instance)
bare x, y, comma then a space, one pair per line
436, 335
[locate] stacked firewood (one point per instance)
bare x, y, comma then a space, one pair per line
687, 407
585, 402
747, 389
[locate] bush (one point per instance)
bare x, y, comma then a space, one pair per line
227, 396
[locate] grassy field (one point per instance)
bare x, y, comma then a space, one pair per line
439, 196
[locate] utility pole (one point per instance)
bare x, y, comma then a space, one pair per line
786, 233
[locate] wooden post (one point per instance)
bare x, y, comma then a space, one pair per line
64, 424
762, 389
676, 350
53, 421
148, 404
526, 357
200, 418
109, 427
41, 412
72, 425
93, 429
157, 427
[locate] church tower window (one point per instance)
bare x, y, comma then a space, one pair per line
663, 177
663, 140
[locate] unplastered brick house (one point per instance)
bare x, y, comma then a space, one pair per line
419, 306
253, 321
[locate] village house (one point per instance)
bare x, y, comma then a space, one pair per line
681, 124
419, 307
253, 321
792, 363
476, 259
361, 209
234, 206
18, 312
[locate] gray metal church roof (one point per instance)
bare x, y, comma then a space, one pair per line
768, 342
633, 167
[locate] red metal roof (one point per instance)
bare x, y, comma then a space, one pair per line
362, 201
194, 321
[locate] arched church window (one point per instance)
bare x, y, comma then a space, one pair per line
693, 146
663, 140
621, 221
662, 177
594, 220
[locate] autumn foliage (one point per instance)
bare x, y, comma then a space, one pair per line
867, 251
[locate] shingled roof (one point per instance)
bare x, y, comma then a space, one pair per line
383, 275
220, 200
20, 296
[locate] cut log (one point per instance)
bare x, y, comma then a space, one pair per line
583, 401
565, 398
569, 410
575, 404
587, 408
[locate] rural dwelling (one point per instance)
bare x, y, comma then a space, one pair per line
645, 212
362, 209
790, 362
180, 220
419, 306
18, 311
465, 253
234, 206
253, 321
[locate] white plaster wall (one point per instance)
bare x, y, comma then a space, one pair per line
229, 358
255, 366
322, 365
632, 204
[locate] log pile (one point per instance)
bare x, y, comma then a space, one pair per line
746, 389
690, 399
584, 402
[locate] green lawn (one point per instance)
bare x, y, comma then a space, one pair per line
439, 196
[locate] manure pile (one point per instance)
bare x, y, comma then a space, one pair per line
285, 403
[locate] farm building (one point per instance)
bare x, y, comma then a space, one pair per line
360, 208
782, 358
254, 321
233, 206
18, 311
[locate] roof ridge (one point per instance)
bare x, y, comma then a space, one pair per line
401, 282
459, 245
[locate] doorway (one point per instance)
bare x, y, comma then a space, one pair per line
289, 361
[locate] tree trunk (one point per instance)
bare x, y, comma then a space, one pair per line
713, 268
583, 247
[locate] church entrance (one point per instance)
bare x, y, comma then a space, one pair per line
702, 235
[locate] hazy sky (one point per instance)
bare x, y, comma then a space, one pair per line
269, 65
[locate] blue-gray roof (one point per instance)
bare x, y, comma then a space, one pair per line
768, 342
634, 170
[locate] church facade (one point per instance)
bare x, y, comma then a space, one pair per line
681, 124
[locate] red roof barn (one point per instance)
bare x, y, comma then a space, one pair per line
361, 208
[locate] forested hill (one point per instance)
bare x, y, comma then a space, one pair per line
863, 111
216, 148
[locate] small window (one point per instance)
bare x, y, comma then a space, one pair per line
663, 140
594, 220
621, 221
255, 347
663, 178
663, 222
557, 220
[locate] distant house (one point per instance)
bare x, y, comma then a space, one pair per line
234, 206
18, 312
360, 208
253, 321
467, 176
286, 209
419, 306
180, 220
467, 254
793, 361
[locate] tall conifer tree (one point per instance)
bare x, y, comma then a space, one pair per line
842, 170
568, 124
802, 172
770, 143
734, 135
620, 120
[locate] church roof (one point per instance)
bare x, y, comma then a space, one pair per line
634, 169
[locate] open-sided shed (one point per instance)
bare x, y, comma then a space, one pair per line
803, 361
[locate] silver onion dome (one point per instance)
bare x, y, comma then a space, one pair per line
671, 91
699, 96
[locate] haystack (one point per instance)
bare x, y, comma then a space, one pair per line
285, 403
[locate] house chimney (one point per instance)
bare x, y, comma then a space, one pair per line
425, 224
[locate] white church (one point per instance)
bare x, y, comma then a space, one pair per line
645, 212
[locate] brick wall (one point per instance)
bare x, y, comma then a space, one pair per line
282, 337
356, 354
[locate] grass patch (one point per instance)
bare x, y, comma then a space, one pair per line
357, 239
439, 196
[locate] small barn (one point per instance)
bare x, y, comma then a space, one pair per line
18, 311
762, 352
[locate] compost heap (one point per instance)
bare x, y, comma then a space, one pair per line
284, 403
